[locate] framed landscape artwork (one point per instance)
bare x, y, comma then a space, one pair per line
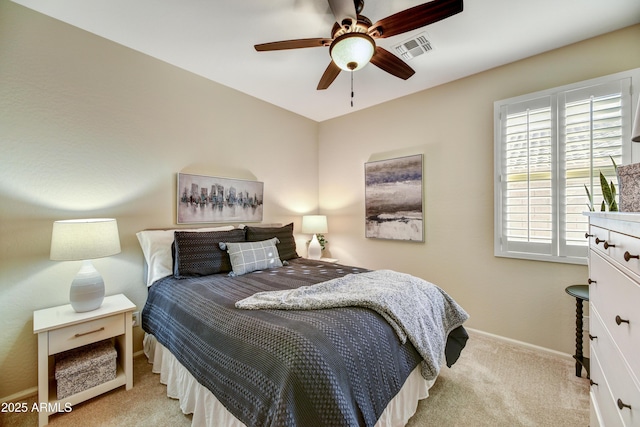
393, 199
212, 199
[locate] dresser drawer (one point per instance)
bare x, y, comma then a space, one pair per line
604, 406
615, 297
625, 250
85, 333
621, 389
597, 238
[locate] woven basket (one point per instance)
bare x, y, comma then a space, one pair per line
85, 367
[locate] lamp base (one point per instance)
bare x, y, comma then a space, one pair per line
315, 250
87, 289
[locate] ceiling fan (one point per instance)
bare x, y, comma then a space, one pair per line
352, 44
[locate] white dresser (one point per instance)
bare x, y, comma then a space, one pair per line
614, 322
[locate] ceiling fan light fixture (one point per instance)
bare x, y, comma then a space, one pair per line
352, 51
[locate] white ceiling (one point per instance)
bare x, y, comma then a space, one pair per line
215, 39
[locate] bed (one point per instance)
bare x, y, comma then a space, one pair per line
338, 366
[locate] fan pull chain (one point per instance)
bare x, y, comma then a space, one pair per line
351, 89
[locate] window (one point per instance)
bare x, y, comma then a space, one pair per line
549, 147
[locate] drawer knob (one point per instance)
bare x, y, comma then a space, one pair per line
591, 382
90, 332
598, 241
628, 256
623, 405
592, 337
620, 320
608, 245
587, 235
591, 281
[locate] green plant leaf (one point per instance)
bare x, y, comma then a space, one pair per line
606, 190
613, 206
603, 207
590, 204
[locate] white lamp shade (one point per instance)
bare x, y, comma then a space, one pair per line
313, 224
80, 239
635, 135
352, 51
85, 239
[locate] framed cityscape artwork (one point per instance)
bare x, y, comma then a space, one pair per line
204, 199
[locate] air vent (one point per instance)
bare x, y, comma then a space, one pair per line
416, 46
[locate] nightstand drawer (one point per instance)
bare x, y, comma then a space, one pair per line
85, 333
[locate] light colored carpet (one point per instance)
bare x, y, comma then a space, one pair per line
494, 383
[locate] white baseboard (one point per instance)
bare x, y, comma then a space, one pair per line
522, 343
21, 395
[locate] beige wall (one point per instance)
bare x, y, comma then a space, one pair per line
452, 125
89, 128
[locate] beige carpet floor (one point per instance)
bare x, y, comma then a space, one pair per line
493, 384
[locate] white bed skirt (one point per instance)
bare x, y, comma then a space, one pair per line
209, 412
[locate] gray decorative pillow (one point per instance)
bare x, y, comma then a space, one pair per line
199, 253
251, 256
287, 245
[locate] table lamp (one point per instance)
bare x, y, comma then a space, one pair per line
314, 224
85, 239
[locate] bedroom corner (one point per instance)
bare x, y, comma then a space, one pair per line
90, 128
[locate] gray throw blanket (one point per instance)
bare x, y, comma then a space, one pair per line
416, 309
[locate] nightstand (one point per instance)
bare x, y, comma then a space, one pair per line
61, 328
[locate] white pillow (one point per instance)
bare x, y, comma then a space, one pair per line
156, 247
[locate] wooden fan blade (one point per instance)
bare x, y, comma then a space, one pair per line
415, 17
293, 44
390, 63
329, 76
344, 10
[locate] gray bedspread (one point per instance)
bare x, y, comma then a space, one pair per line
330, 367
415, 308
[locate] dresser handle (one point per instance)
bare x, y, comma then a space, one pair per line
598, 241
591, 281
608, 245
623, 405
620, 320
100, 330
592, 337
587, 235
592, 383
628, 256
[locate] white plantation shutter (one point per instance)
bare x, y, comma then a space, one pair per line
549, 146
592, 126
527, 178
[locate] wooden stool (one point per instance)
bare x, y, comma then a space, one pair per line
581, 293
